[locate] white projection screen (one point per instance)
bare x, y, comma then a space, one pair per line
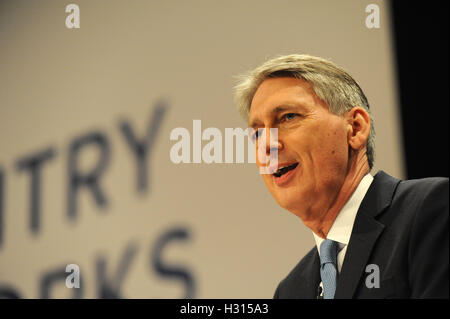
86, 177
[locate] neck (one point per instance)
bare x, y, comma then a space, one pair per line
358, 168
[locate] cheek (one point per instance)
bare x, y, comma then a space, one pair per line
331, 149
336, 145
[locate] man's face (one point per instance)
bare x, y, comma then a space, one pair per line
312, 142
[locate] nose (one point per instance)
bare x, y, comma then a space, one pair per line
268, 148
273, 143
268, 144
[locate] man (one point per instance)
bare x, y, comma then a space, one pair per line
376, 236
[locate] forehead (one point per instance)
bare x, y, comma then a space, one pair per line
274, 93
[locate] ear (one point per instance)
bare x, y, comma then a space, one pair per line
358, 123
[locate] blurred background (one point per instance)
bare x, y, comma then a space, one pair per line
86, 115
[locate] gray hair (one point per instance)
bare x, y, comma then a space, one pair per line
332, 84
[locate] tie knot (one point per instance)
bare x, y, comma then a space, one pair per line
328, 252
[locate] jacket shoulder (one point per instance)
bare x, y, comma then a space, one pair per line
419, 191
425, 184
428, 200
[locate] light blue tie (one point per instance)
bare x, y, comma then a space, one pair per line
328, 267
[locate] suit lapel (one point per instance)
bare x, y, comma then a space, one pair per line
303, 281
365, 233
358, 252
311, 277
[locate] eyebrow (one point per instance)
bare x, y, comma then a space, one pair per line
276, 110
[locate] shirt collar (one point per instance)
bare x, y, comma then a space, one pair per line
341, 230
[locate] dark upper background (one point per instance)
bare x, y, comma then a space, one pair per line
421, 43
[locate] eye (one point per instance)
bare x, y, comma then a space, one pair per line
256, 134
289, 116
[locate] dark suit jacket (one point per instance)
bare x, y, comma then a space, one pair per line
402, 227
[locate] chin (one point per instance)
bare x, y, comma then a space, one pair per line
288, 201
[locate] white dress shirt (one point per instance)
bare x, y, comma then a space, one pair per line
341, 230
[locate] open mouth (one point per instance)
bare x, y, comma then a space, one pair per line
284, 169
